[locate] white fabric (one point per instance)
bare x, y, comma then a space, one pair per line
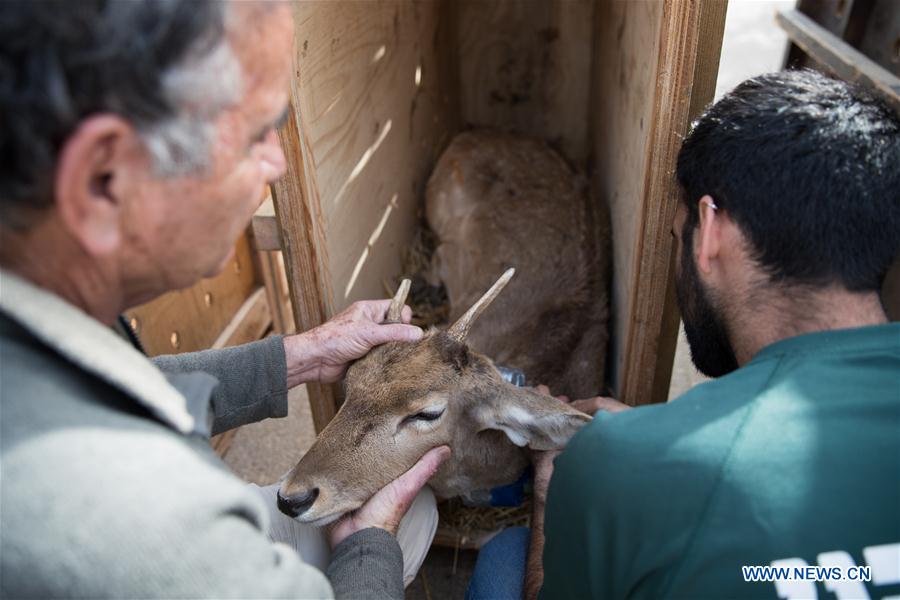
94, 347
415, 534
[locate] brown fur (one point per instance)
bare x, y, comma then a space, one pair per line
371, 440
494, 200
498, 200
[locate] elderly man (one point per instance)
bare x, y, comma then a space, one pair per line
136, 138
788, 222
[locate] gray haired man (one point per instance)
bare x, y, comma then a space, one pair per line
135, 141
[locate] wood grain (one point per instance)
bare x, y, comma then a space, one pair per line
295, 201
249, 323
688, 60
376, 106
525, 67
623, 77
371, 110
382, 86
839, 57
264, 227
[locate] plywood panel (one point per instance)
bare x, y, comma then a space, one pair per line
524, 66
376, 105
655, 65
624, 82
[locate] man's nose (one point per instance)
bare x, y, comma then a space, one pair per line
294, 506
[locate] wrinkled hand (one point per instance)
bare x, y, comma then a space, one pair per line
388, 505
324, 352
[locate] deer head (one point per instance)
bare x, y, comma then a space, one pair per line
402, 399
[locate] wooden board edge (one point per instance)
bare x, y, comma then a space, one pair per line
692, 38
838, 56
303, 246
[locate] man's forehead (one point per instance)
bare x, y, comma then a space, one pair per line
264, 44
263, 41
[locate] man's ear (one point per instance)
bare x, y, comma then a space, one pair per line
90, 162
529, 418
710, 236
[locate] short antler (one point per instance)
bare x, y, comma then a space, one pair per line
396, 308
460, 329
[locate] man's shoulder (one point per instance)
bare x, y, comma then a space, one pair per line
42, 389
691, 431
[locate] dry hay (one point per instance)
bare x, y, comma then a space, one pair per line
428, 302
469, 527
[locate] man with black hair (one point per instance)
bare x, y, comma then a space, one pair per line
789, 220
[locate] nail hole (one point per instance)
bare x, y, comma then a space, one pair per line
208, 299
175, 340
135, 324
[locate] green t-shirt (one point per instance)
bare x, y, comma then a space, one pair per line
792, 460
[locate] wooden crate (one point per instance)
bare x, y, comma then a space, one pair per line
382, 86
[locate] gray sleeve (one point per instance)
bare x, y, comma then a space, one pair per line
252, 380
368, 564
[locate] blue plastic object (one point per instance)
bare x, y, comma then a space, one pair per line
513, 376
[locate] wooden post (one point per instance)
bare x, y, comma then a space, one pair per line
839, 57
687, 66
302, 239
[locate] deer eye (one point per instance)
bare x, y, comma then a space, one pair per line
425, 415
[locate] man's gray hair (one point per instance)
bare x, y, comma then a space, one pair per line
164, 65
198, 89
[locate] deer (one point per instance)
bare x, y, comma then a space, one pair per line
404, 398
497, 200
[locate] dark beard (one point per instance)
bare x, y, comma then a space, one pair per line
711, 350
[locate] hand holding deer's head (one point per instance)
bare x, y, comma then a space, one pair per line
403, 399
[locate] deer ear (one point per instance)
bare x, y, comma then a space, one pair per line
529, 418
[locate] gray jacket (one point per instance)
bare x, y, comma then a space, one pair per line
108, 485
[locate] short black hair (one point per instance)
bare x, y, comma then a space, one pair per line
62, 60
809, 168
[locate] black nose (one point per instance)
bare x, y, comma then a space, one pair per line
294, 506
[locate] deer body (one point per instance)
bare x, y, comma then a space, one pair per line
495, 201
498, 200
